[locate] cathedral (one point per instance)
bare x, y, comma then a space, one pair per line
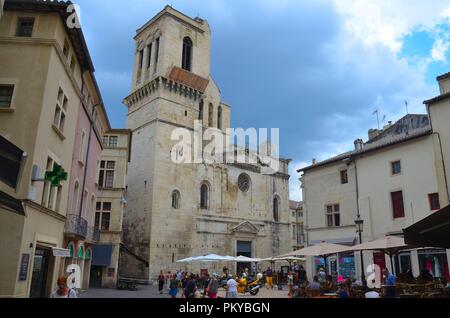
175, 211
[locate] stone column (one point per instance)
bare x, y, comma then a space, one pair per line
136, 66
144, 64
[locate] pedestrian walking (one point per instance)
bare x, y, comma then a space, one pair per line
232, 287
63, 290
322, 275
390, 281
160, 282
191, 287
302, 276
269, 278
213, 287
174, 287
290, 280
168, 279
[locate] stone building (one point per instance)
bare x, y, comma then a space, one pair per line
390, 182
2, 2
179, 210
110, 207
296, 220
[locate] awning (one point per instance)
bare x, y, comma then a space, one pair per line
61, 252
349, 241
11, 204
101, 255
433, 231
323, 249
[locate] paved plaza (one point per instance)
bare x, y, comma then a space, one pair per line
147, 291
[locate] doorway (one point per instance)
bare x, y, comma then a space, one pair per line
403, 263
95, 280
40, 279
243, 248
380, 260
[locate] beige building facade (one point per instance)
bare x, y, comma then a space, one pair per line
391, 182
42, 90
51, 115
174, 210
297, 224
110, 206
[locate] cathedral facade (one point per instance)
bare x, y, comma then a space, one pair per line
175, 211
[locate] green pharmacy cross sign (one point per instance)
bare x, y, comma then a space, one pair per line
56, 176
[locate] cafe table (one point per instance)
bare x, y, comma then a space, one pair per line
410, 295
330, 295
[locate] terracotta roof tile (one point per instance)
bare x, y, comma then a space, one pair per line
189, 79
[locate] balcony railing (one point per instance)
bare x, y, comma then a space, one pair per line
93, 234
76, 225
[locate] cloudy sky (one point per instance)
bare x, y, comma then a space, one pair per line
316, 69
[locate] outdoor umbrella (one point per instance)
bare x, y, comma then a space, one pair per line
431, 231
290, 260
390, 245
185, 260
243, 259
211, 258
323, 249
206, 258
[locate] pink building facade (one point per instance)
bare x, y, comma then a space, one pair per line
80, 234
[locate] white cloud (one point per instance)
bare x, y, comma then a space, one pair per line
386, 22
439, 50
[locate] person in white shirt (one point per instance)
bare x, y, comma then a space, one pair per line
372, 294
232, 288
63, 290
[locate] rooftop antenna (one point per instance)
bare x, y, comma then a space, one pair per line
384, 120
406, 105
376, 112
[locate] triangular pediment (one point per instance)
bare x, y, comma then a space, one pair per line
246, 227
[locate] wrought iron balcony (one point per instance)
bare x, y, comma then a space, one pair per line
76, 225
93, 234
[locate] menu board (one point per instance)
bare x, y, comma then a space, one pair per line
24, 267
347, 267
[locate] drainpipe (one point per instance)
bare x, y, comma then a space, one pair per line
363, 274
348, 161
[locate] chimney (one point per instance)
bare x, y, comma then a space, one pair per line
373, 133
314, 162
389, 124
359, 144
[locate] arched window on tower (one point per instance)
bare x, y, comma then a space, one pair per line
204, 197
176, 199
210, 115
219, 117
200, 114
187, 54
276, 207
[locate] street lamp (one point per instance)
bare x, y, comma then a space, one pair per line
359, 229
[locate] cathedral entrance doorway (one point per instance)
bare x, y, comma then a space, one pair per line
243, 248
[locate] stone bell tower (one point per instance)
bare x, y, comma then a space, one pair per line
169, 40
171, 88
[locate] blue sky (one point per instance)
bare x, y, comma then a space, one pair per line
315, 69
